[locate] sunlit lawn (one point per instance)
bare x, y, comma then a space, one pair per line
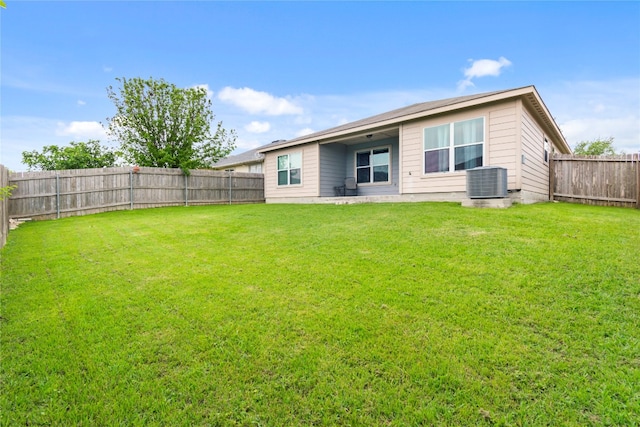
373, 314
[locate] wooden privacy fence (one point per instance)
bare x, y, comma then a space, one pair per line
596, 180
4, 207
57, 194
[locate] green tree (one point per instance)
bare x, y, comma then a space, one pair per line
161, 125
5, 192
597, 147
77, 155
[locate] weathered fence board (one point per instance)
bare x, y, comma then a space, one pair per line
56, 194
609, 181
4, 207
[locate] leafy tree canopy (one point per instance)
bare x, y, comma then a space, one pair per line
77, 155
597, 147
161, 125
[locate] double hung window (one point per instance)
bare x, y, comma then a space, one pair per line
290, 169
373, 165
454, 146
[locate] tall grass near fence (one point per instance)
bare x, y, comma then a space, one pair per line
58, 194
376, 314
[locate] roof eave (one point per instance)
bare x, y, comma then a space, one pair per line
550, 122
493, 97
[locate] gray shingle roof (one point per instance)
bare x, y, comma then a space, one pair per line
251, 156
422, 107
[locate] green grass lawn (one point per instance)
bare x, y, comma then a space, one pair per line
372, 314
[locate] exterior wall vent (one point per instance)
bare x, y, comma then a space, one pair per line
487, 182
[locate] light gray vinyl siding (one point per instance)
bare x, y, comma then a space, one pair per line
333, 165
376, 189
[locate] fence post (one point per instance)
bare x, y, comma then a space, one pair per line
57, 195
186, 190
638, 181
4, 206
552, 177
131, 188
229, 170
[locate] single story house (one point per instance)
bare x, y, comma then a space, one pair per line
422, 152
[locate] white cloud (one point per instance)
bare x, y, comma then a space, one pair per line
590, 128
482, 68
258, 127
27, 133
463, 84
586, 110
624, 130
107, 69
256, 102
81, 102
486, 67
77, 129
244, 144
304, 132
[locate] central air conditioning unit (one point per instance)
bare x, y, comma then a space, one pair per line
488, 182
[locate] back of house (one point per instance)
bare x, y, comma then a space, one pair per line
422, 152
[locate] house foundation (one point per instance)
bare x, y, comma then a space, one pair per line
487, 203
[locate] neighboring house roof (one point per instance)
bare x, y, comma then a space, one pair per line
424, 109
248, 157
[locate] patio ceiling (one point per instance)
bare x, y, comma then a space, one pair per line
369, 136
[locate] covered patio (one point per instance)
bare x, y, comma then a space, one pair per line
370, 159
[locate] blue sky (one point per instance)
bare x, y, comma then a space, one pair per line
277, 70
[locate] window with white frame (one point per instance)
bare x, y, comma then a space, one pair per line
290, 169
255, 168
454, 146
373, 165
